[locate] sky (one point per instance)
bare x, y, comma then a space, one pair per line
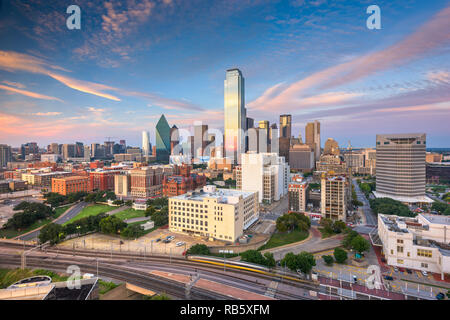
132, 61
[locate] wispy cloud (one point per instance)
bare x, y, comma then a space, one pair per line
46, 114
28, 93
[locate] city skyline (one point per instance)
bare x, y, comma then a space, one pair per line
313, 59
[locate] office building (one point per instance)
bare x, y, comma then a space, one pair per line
301, 157
433, 157
401, 167
122, 185
331, 147
265, 173
185, 181
146, 148
68, 151
235, 115
29, 148
175, 148
285, 126
67, 185
102, 180
420, 243
438, 173
297, 194
5, 155
200, 140
218, 214
334, 197
312, 137
162, 140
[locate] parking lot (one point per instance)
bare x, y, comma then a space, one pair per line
147, 244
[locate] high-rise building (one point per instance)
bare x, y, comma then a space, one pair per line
285, 126
331, 147
301, 157
220, 214
266, 173
122, 185
235, 115
29, 148
334, 197
145, 143
5, 155
69, 151
174, 141
146, 182
200, 140
162, 140
312, 137
297, 194
401, 167
79, 150
54, 148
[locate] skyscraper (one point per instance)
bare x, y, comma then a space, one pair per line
162, 140
200, 140
400, 160
5, 155
235, 115
312, 137
285, 126
145, 143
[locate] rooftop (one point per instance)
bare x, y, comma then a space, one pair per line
437, 219
223, 195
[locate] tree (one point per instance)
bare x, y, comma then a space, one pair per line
440, 207
339, 226
390, 206
129, 203
293, 221
304, 261
359, 244
132, 231
51, 232
340, 255
347, 241
253, 256
199, 249
112, 225
150, 211
328, 260
270, 260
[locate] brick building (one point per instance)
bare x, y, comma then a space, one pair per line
68, 185
180, 184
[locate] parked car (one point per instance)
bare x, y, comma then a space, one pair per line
179, 244
425, 274
389, 278
158, 240
170, 237
440, 296
166, 241
409, 271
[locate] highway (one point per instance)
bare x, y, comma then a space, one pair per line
69, 214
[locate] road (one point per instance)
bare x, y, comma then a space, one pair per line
69, 214
369, 216
314, 244
276, 209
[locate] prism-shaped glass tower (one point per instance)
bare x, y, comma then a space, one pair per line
162, 140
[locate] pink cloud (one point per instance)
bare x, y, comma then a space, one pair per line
28, 93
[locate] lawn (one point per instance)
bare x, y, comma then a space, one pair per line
11, 233
130, 214
280, 239
91, 210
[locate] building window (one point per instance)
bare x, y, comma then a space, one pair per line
399, 261
424, 253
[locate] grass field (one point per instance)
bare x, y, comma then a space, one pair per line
11, 233
130, 214
280, 239
91, 210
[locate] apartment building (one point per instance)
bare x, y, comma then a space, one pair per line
264, 173
67, 185
216, 214
420, 243
334, 197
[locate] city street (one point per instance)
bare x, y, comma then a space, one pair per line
369, 217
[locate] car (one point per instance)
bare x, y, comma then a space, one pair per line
166, 241
388, 278
158, 240
180, 243
395, 269
409, 271
440, 296
425, 274
170, 237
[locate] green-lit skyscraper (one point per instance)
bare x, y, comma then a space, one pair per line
162, 140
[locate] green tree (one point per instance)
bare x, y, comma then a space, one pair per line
340, 255
132, 231
150, 211
51, 232
270, 260
112, 225
198, 249
440, 207
253, 256
328, 260
359, 244
347, 241
305, 262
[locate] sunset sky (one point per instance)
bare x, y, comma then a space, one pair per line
135, 60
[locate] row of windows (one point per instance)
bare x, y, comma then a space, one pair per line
424, 253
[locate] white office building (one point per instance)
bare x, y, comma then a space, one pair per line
265, 173
420, 243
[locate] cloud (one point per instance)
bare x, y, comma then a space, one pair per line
46, 114
86, 86
429, 36
14, 84
29, 93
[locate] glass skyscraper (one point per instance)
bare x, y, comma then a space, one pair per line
162, 140
235, 122
145, 143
